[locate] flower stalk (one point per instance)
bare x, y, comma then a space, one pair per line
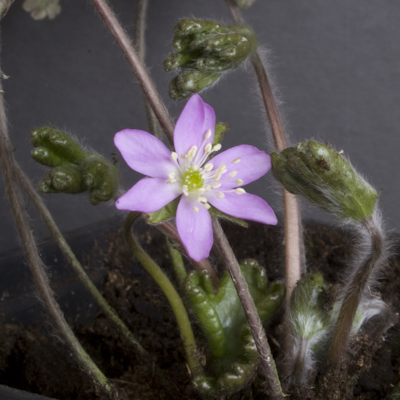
170, 292
355, 289
137, 66
250, 310
76, 265
170, 230
140, 44
294, 245
103, 387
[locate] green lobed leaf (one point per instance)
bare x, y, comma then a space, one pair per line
222, 319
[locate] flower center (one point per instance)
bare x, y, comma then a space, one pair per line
192, 179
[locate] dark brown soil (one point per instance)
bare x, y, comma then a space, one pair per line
34, 360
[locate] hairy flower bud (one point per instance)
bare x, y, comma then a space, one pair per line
75, 170
326, 178
205, 50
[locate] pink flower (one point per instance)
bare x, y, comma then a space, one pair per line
190, 172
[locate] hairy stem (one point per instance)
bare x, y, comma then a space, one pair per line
294, 245
140, 44
35, 263
168, 289
177, 262
137, 66
170, 230
354, 290
76, 265
250, 310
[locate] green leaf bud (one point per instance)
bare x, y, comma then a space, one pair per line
205, 50
307, 314
326, 178
67, 179
75, 170
58, 143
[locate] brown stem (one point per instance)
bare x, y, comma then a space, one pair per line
35, 263
354, 291
140, 44
170, 230
137, 66
294, 246
250, 310
58, 237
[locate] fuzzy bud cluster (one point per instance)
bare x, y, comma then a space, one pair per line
206, 49
74, 169
326, 178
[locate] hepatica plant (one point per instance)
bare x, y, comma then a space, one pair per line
193, 173
195, 185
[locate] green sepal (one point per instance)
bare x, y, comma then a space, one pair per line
74, 169
220, 129
205, 50
163, 214
234, 356
325, 178
169, 211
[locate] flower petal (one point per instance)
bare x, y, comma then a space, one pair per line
149, 195
194, 228
246, 206
145, 153
195, 120
253, 165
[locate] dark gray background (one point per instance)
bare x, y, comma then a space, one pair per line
336, 65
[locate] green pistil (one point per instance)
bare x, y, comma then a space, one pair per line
193, 179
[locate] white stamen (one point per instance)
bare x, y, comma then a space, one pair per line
208, 188
237, 161
171, 175
208, 167
208, 148
186, 193
202, 199
239, 181
192, 151
206, 206
217, 147
216, 185
201, 190
221, 166
183, 156
217, 177
196, 209
174, 156
195, 167
232, 174
220, 195
171, 180
240, 191
208, 134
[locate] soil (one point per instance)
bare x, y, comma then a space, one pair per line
35, 360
